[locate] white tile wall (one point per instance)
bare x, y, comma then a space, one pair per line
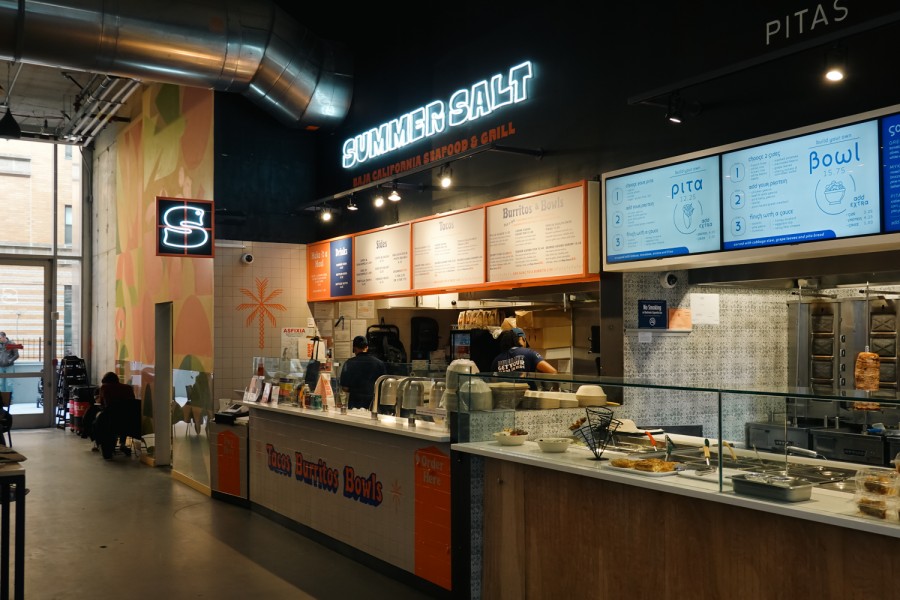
236, 341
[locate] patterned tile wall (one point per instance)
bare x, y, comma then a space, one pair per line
747, 349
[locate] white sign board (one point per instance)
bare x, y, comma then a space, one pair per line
537, 237
381, 261
449, 251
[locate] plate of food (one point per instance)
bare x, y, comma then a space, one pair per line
511, 437
648, 467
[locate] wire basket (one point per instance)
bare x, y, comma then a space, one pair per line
598, 430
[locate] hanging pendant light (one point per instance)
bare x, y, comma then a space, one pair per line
446, 176
394, 195
8, 126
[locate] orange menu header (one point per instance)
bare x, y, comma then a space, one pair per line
546, 237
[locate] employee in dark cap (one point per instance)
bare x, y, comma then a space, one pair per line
517, 357
360, 373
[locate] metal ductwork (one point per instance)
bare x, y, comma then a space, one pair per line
251, 47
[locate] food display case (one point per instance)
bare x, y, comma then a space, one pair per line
758, 427
712, 489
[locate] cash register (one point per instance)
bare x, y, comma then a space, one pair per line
227, 416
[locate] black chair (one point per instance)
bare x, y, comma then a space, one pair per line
6, 420
121, 419
6, 423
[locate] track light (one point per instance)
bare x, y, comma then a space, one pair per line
378, 201
673, 112
394, 196
350, 204
446, 176
8, 126
835, 64
678, 109
326, 214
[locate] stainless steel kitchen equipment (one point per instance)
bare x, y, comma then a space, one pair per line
826, 336
849, 445
775, 436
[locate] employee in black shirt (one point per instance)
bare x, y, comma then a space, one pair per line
360, 373
517, 357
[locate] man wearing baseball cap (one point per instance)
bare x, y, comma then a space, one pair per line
359, 374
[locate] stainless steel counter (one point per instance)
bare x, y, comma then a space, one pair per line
423, 430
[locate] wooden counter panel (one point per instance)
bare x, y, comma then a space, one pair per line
549, 534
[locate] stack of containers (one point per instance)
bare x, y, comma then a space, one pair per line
460, 366
876, 492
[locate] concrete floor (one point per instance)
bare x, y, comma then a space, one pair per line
119, 529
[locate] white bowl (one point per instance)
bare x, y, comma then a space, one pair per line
505, 439
590, 390
554, 444
590, 395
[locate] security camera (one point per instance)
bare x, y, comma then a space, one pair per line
668, 280
247, 258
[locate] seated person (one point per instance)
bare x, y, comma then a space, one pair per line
114, 397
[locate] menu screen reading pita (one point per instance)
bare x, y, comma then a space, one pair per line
816, 187
668, 211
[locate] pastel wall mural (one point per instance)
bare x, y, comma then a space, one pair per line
168, 152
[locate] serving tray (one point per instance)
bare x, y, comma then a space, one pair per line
786, 489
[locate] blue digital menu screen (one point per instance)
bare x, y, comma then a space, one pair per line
819, 186
667, 211
890, 164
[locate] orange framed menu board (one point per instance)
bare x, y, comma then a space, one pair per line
448, 250
381, 261
548, 236
329, 269
543, 236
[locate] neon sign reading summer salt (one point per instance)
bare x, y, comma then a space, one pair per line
465, 105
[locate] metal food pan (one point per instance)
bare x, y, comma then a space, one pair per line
786, 489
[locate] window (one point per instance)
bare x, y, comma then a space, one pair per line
68, 346
67, 236
15, 165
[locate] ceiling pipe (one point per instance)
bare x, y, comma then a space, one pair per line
250, 47
121, 97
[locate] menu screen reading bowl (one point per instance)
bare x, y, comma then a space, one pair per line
816, 187
667, 211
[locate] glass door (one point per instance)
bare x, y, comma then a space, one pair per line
26, 351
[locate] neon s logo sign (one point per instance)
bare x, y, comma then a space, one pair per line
186, 233
184, 227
